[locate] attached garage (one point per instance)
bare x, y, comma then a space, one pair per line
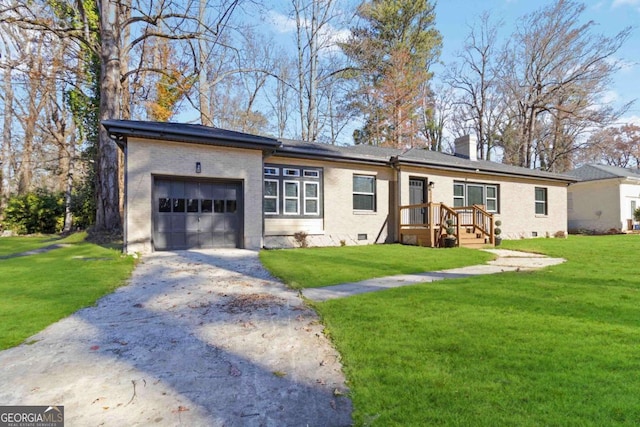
192, 214
190, 186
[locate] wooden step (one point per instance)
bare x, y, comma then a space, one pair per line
469, 240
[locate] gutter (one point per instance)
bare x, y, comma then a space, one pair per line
119, 130
565, 179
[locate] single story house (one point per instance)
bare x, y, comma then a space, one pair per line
603, 198
190, 186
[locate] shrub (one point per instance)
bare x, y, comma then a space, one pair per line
301, 238
40, 211
497, 231
636, 214
83, 205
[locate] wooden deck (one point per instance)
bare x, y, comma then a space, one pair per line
426, 225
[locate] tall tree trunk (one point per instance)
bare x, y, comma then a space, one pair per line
26, 164
204, 88
312, 111
107, 194
68, 192
5, 161
301, 67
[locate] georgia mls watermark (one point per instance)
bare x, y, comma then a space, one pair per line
31, 416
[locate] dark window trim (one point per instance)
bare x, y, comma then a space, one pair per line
544, 203
374, 194
301, 179
484, 194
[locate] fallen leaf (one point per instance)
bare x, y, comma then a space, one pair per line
234, 372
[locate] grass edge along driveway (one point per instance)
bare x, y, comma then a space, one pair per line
557, 346
38, 290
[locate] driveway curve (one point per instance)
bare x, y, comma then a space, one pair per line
197, 338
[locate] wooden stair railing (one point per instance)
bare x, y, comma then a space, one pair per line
427, 223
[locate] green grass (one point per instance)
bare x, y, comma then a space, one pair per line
315, 267
37, 290
555, 347
14, 245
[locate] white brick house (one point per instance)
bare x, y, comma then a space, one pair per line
192, 186
604, 198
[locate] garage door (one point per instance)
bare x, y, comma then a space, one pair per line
196, 214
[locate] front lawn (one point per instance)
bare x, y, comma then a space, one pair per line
315, 267
14, 245
559, 346
37, 290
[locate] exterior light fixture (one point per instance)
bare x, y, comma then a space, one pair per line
431, 185
198, 167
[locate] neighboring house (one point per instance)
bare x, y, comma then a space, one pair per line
603, 199
190, 186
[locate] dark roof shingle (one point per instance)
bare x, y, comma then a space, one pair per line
594, 172
192, 133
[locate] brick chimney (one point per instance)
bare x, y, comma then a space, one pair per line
466, 146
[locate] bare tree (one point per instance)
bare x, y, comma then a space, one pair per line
616, 146
113, 32
312, 18
476, 79
6, 153
555, 70
281, 97
437, 115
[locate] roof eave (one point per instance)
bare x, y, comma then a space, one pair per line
119, 131
471, 168
301, 154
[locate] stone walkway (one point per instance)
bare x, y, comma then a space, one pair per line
506, 260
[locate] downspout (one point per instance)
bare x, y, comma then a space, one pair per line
265, 155
395, 208
121, 142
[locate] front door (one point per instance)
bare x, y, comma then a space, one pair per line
416, 197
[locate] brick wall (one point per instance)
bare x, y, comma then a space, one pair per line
146, 158
516, 200
340, 223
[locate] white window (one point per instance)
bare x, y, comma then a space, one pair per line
364, 193
469, 194
458, 195
291, 172
291, 198
271, 196
541, 201
491, 199
292, 191
475, 194
311, 198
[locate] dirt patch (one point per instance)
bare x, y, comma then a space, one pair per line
250, 302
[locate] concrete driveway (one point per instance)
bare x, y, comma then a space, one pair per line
197, 338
